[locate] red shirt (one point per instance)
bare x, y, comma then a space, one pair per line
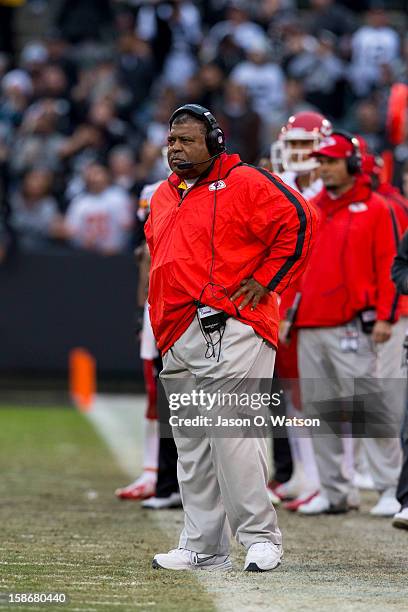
350, 266
261, 228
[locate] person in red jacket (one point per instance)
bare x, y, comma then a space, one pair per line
347, 307
225, 239
390, 354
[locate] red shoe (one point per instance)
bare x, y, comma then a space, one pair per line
272, 486
137, 491
295, 504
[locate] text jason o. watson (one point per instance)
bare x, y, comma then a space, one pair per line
257, 421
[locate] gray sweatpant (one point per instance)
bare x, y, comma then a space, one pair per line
329, 373
223, 480
393, 376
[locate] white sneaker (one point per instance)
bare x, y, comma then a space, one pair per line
401, 519
161, 503
290, 489
317, 505
183, 559
363, 481
262, 557
387, 505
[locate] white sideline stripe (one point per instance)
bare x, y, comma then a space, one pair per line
46, 563
119, 421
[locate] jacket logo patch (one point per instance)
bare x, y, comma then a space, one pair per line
217, 185
358, 207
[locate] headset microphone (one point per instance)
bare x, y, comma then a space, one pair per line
188, 164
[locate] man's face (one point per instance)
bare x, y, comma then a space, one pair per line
377, 18
301, 149
186, 142
37, 184
96, 178
333, 172
121, 164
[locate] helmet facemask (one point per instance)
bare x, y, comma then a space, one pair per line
296, 150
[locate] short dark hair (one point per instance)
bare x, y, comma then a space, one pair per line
186, 117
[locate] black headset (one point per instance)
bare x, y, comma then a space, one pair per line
215, 138
354, 162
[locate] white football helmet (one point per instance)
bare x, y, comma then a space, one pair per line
299, 137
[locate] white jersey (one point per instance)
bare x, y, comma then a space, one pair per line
145, 198
101, 222
371, 49
310, 192
148, 347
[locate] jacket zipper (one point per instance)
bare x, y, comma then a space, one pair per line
181, 200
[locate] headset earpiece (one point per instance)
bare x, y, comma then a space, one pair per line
215, 141
215, 138
354, 162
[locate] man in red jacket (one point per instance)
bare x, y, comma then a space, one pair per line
225, 239
392, 362
391, 368
348, 306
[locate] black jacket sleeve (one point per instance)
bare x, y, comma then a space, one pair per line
399, 270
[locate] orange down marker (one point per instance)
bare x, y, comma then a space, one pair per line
82, 378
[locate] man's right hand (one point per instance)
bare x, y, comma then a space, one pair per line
251, 290
382, 331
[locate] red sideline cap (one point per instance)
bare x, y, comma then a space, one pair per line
334, 146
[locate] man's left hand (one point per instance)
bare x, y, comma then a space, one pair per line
252, 290
382, 331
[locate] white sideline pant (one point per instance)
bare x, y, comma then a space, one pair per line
328, 373
223, 480
394, 376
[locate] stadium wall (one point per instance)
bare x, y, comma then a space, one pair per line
53, 303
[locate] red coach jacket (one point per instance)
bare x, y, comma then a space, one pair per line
261, 228
350, 267
400, 207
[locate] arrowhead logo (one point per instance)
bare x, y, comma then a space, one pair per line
217, 185
358, 207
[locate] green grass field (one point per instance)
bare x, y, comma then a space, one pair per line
62, 530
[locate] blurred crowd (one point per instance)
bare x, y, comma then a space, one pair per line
84, 107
